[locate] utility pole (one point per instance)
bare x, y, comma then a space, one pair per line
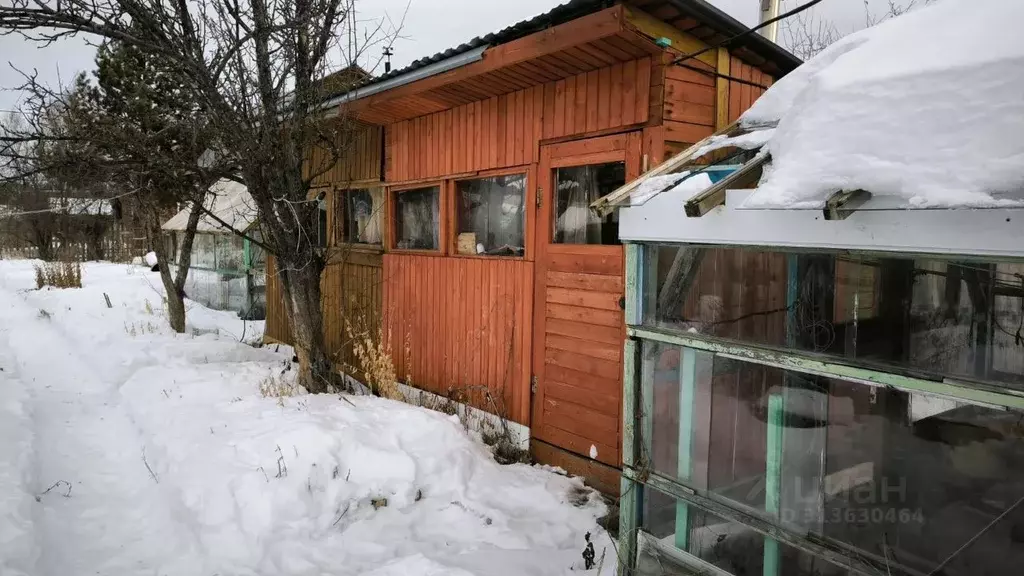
769, 10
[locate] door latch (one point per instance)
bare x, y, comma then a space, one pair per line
533, 384
540, 195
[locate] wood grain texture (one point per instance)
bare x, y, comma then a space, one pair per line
457, 325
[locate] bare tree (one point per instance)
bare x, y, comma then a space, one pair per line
254, 65
808, 33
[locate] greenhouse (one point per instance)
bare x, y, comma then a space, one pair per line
227, 271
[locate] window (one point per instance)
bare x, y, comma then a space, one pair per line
578, 186
926, 315
204, 251
491, 215
918, 483
321, 222
418, 218
357, 216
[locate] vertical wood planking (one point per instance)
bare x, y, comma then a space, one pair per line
615, 95
461, 316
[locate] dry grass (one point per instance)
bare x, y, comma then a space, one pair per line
372, 351
280, 387
58, 275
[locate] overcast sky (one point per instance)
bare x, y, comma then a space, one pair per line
430, 26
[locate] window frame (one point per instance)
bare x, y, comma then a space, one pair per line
390, 206
336, 234
529, 175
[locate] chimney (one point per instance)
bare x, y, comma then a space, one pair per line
769, 10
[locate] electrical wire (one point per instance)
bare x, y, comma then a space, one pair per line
747, 32
56, 210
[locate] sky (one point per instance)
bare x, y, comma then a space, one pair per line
430, 26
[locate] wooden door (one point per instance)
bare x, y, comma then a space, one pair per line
579, 326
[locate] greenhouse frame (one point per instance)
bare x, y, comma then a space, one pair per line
819, 391
227, 270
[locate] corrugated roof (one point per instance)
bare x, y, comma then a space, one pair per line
699, 9
229, 201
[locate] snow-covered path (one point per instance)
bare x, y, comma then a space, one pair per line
165, 459
89, 451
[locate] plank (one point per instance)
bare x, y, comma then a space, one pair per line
604, 98
599, 350
586, 264
584, 331
569, 126
519, 123
686, 132
585, 315
698, 114
597, 475
593, 99
629, 92
585, 299
578, 444
616, 90
644, 72
600, 398
558, 111
599, 428
593, 282
595, 366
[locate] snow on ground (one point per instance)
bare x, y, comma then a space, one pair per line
163, 457
926, 107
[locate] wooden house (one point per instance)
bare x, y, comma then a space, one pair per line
466, 206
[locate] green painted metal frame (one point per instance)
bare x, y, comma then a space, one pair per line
636, 447
984, 396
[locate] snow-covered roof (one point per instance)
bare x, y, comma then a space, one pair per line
926, 107
229, 201
81, 206
921, 111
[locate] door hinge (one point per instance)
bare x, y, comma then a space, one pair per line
533, 384
540, 196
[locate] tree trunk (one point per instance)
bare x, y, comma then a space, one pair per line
301, 284
174, 286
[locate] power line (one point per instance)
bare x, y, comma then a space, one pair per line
54, 210
746, 33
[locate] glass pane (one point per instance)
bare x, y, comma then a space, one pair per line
947, 317
578, 186
230, 253
728, 545
204, 251
417, 219
902, 479
491, 215
321, 224
362, 216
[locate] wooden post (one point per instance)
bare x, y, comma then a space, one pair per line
722, 91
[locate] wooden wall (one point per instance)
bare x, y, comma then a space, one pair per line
359, 152
462, 324
741, 96
277, 317
352, 294
689, 113
351, 291
506, 130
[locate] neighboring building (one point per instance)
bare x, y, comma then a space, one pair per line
227, 271
462, 216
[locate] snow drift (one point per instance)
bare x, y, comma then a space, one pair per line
928, 107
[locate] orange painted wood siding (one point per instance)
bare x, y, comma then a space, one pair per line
689, 112
505, 131
742, 96
461, 327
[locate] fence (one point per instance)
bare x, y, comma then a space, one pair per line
113, 248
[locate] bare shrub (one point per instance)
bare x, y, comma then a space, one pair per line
372, 351
58, 275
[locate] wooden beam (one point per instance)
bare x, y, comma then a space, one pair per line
589, 28
722, 90
840, 205
606, 204
653, 28
714, 196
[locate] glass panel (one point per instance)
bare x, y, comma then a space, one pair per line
578, 186
948, 317
919, 484
491, 215
204, 251
728, 545
230, 253
362, 215
321, 224
417, 219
